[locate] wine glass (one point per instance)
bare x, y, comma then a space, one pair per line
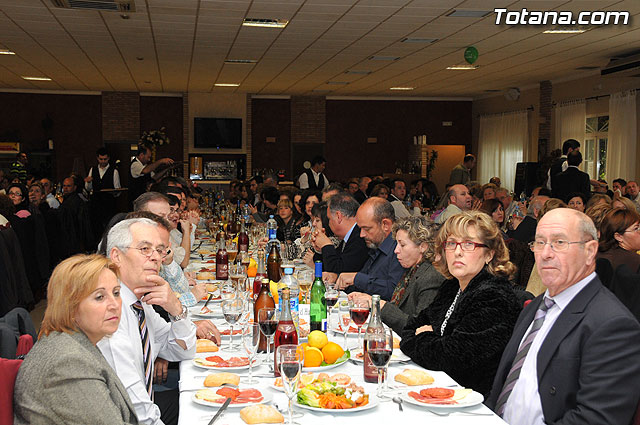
232, 311
227, 290
268, 325
359, 311
238, 275
232, 251
290, 361
305, 280
345, 319
379, 350
331, 298
251, 340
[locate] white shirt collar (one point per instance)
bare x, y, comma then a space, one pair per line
346, 237
564, 298
127, 295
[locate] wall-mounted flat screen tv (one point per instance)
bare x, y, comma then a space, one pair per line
219, 133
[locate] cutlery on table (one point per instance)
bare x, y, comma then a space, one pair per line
398, 401
220, 410
208, 299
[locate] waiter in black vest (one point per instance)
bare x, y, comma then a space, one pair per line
560, 164
313, 178
142, 171
103, 203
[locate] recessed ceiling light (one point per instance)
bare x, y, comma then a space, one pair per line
320, 91
492, 91
384, 58
147, 82
124, 16
419, 40
226, 84
357, 72
401, 88
6, 52
241, 61
140, 58
462, 67
469, 13
37, 78
265, 23
338, 83
565, 31
587, 68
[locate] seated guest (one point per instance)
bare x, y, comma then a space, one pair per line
381, 191
458, 199
267, 206
319, 221
333, 189
288, 228
597, 213
352, 253
382, 270
65, 378
419, 285
551, 204
573, 355
576, 201
180, 241
596, 199
308, 200
19, 196
489, 191
137, 247
622, 202
493, 207
48, 188
524, 228
620, 239
466, 328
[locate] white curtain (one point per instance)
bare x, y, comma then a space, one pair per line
502, 141
623, 136
570, 122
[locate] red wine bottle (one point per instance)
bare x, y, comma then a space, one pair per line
375, 326
222, 261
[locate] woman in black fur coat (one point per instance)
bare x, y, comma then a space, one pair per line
464, 331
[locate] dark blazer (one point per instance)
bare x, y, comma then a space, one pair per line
66, 379
589, 362
352, 257
420, 293
569, 181
476, 333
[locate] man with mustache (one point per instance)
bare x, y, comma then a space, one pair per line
573, 355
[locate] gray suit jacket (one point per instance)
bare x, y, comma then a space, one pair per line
65, 379
420, 293
588, 364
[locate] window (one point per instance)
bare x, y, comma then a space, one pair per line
595, 146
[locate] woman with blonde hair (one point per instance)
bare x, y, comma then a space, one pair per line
464, 331
65, 378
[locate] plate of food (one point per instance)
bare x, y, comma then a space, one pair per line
205, 312
223, 363
396, 357
240, 397
227, 332
327, 396
443, 398
309, 378
351, 331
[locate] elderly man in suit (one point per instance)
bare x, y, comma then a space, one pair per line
573, 357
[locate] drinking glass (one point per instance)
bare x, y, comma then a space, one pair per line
232, 311
232, 251
359, 311
238, 275
345, 319
227, 290
290, 361
305, 280
331, 298
268, 324
251, 340
379, 350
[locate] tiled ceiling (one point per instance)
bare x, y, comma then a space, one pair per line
181, 45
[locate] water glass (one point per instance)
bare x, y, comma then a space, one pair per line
250, 341
290, 361
232, 311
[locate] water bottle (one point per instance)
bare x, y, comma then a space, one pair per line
246, 212
272, 228
291, 283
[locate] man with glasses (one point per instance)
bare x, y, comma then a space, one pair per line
137, 247
573, 355
48, 189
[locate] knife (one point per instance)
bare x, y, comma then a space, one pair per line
208, 299
220, 411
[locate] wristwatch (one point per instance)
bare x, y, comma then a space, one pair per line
182, 315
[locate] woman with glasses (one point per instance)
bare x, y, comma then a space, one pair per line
620, 238
19, 195
464, 331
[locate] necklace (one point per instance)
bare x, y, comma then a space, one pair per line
449, 312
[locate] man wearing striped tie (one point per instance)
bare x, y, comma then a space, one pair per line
137, 247
574, 355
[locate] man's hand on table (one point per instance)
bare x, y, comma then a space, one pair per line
345, 280
207, 330
329, 277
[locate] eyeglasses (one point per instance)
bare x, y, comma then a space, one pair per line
465, 246
556, 246
148, 251
15, 195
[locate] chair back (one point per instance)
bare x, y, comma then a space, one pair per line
8, 373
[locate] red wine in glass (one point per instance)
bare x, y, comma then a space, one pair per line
379, 357
331, 300
359, 315
268, 327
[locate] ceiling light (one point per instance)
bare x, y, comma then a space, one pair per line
587, 68
384, 58
401, 88
565, 31
6, 52
241, 61
265, 23
356, 72
462, 67
419, 40
37, 78
492, 91
338, 83
226, 84
469, 13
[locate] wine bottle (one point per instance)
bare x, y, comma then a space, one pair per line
261, 273
243, 238
222, 261
318, 307
273, 263
264, 300
375, 326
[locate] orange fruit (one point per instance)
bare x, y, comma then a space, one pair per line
332, 352
318, 339
252, 271
312, 357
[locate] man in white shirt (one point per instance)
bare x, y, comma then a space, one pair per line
97, 183
313, 178
633, 193
459, 199
573, 355
137, 247
48, 188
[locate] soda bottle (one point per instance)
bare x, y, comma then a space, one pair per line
243, 238
222, 261
318, 307
375, 326
286, 332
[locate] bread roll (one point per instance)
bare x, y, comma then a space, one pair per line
209, 395
414, 377
219, 379
396, 343
205, 276
261, 414
206, 346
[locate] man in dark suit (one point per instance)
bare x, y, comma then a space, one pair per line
560, 164
352, 252
573, 355
571, 180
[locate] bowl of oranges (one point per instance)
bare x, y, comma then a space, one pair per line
321, 354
